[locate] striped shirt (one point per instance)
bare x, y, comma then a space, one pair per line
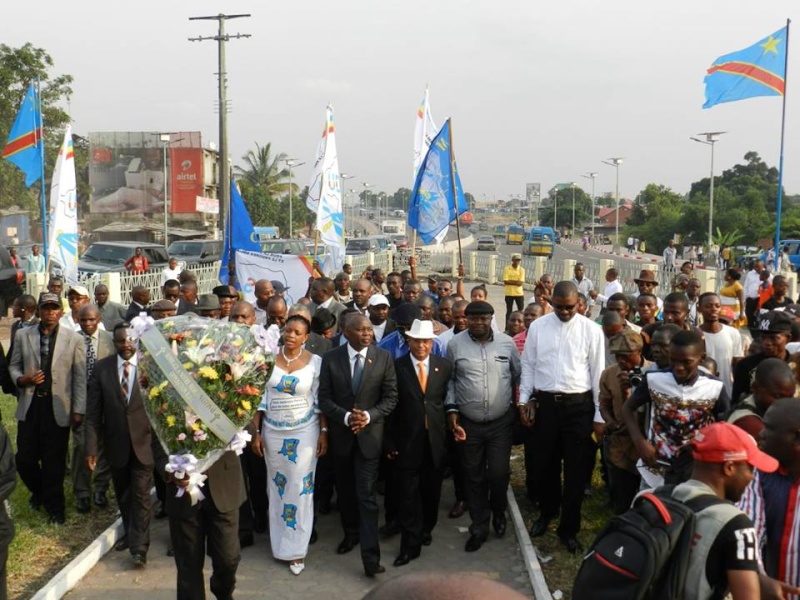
772, 502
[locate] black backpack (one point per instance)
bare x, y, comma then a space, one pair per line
644, 552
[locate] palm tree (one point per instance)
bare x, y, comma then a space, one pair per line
263, 170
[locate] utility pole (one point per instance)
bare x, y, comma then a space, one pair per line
224, 166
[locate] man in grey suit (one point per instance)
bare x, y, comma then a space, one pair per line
321, 294
48, 366
98, 345
357, 391
111, 312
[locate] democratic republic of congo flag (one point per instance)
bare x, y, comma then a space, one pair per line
24, 146
759, 70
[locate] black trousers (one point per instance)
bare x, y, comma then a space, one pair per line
42, 454
486, 455
254, 469
81, 475
459, 478
205, 528
750, 311
623, 485
562, 431
510, 300
530, 461
324, 480
132, 485
391, 496
356, 483
420, 491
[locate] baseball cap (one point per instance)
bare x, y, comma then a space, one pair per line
377, 300
625, 342
775, 321
726, 313
516, 256
49, 299
722, 442
278, 286
78, 289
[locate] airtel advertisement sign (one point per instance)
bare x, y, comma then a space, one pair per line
186, 179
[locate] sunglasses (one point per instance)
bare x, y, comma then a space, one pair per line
564, 307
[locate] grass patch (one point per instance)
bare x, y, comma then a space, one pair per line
40, 550
560, 572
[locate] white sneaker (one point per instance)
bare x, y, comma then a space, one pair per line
297, 568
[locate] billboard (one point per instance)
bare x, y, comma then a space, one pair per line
532, 193
186, 179
127, 171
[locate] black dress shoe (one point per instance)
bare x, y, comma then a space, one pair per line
539, 528
404, 558
313, 538
139, 559
372, 570
83, 505
427, 538
246, 539
346, 546
259, 522
56, 519
390, 529
474, 543
100, 499
572, 545
458, 509
122, 544
499, 524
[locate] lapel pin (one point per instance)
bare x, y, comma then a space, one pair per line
435, 369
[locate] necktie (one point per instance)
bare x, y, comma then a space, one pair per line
126, 373
358, 371
91, 357
422, 375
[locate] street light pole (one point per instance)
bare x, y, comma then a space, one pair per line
573, 209
291, 162
615, 162
555, 209
592, 176
711, 140
344, 177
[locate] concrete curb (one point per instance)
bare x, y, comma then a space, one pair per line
68, 577
538, 583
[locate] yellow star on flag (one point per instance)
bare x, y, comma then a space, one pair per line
771, 45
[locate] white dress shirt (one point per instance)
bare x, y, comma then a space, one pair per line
351, 353
378, 330
611, 288
168, 274
133, 362
751, 282
565, 358
67, 322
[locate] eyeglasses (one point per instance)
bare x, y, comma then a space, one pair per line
564, 307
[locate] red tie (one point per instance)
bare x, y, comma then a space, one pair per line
126, 372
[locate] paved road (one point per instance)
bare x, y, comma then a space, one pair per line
327, 574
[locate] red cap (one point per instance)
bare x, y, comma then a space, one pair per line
722, 442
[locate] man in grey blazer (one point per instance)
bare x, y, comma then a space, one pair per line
48, 366
357, 391
321, 294
98, 344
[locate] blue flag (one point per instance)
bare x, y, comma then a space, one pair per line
432, 205
24, 146
759, 70
240, 228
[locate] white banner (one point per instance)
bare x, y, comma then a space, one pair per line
63, 235
424, 132
330, 219
292, 271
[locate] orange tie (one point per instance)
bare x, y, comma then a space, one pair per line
422, 376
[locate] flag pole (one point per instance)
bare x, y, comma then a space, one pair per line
455, 193
39, 130
778, 206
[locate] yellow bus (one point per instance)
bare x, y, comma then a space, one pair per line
515, 234
540, 242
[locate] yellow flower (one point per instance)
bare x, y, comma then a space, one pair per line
163, 385
196, 425
208, 373
188, 365
246, 405
170, 421
154, 392
191, 343
237, 342
206, 341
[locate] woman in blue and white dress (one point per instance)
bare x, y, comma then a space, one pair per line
293, 436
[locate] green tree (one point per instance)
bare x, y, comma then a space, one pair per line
263, 169
658, 219
18, 68
583, 208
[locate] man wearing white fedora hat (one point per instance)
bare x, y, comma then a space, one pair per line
415, 438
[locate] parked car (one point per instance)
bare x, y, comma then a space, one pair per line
486, 242
400, 241
297, 247
358, 246
110, 257
196, 251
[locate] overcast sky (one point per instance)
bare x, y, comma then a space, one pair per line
538, 91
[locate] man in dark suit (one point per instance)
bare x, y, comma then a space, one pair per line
212, 523
140, 296
98, 344
362, 290
416, 439
357, 391
116, 411
188, 299
321, 295
110, 312
48, 366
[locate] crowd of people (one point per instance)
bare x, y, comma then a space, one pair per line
381, 382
